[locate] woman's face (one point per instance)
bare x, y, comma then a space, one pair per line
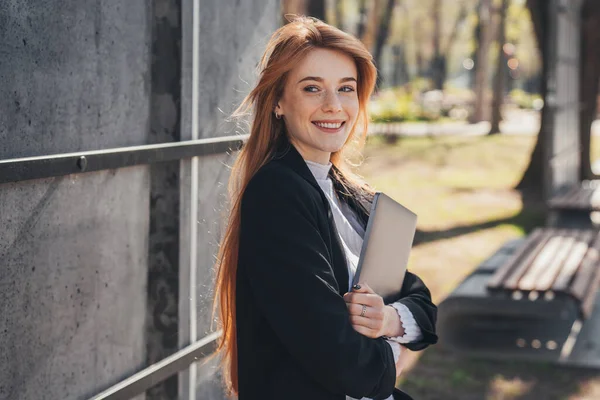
320, 103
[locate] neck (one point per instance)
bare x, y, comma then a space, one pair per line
316, 156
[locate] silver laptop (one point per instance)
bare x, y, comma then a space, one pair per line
386, 246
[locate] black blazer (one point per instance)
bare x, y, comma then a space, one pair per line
294, 337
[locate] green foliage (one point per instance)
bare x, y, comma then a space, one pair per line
396, 105
416, 102
524, 100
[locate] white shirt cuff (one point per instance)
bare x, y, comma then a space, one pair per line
412, 331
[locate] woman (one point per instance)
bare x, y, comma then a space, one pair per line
292, 327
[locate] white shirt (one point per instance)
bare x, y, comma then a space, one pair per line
346, 223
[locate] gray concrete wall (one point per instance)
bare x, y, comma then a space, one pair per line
73, 281
163, 260
74, 75
94, 268
233, 36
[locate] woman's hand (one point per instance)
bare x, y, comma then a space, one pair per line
370, 316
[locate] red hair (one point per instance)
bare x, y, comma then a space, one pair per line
287, 46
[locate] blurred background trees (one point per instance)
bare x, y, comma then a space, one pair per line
465, 49
463, 61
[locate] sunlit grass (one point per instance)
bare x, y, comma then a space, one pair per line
450, 181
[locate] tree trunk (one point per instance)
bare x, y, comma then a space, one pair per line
498, 99
408, 36
370, 33
298, 7
589, 83
462, 16
316, 8
590, 67
382, 36
419, 34
437, 62
339, 14
481, 110
477, 36
400, 74
533, 176
362, 21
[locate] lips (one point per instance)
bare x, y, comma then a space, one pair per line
329, 126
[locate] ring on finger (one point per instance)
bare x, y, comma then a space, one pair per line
364, 311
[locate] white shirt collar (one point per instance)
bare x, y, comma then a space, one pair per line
320, 171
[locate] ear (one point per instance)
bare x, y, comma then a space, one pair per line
278, 108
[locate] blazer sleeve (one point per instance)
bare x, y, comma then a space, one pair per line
285, 259
417, 298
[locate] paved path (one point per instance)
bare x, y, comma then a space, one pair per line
515, 123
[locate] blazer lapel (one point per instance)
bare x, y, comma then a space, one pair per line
288, 155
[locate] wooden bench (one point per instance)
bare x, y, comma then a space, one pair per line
553, 262
536, 298
584, 197
575, 206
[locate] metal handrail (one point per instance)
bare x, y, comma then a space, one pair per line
158, 372
21, 169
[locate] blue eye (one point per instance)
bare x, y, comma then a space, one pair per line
311, 89
347, 89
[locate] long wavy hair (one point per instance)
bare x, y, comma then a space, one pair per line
286, 47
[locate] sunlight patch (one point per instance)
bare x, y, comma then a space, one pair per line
508, 388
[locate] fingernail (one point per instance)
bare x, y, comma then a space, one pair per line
356, 287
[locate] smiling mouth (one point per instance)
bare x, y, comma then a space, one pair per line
329, 126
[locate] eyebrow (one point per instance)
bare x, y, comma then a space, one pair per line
319, 79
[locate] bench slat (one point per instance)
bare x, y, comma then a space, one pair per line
551, 261
501, 273
571, 266
549, 254
571, 196
575, 192
589, 300
595, 199
551, 271
589, 266
512, 281
575, 200
584, 197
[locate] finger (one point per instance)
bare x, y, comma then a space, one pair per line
362, 287
369, 299
356, 309
373, 324
366, 287
370, 312
359, 310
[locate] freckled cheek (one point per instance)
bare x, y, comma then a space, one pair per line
351, 108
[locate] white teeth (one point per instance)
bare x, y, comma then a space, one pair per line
327, 125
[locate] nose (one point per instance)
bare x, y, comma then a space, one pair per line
331, 102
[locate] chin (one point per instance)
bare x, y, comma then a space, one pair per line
332, 146
337, 148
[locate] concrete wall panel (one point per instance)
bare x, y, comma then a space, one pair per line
232, 35
73, 283
74, 75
